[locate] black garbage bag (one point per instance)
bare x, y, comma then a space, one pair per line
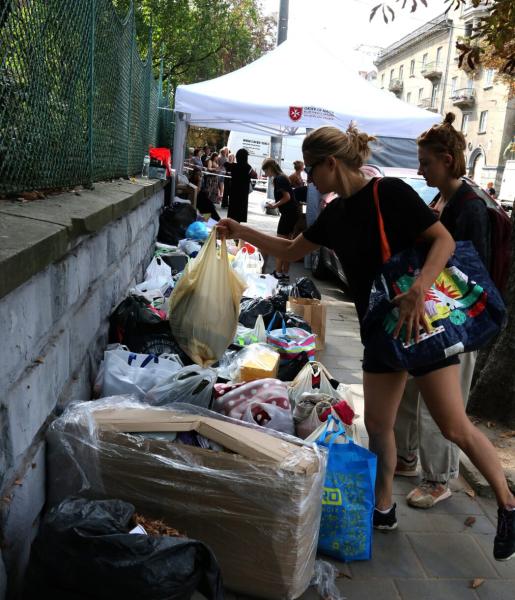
133, 320
83, 551
293, 320
174, 221
290, 370
251, 308
305, 288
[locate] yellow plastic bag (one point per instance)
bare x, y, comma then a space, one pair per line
205, 304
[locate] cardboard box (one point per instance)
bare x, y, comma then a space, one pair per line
313, 312
257, 505
264, 365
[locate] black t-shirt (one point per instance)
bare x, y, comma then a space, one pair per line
349, 227
282, 184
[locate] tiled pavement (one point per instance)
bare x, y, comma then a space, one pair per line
433, 555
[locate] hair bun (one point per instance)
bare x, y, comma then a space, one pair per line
450, 117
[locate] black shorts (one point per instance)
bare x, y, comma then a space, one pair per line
373, 364
287, 223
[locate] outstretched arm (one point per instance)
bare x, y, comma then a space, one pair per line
290, 250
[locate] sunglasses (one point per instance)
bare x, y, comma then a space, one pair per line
310, 168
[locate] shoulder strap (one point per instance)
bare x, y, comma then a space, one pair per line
386, 252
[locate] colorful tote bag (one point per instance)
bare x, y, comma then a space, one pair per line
464, 308
290, 342
348, 501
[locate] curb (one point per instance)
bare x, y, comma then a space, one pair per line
477, 482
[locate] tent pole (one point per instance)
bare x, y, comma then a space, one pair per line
179, 140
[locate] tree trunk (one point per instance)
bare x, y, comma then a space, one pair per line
493, 395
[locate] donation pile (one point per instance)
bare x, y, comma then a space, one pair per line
212, 416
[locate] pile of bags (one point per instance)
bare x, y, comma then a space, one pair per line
211, 412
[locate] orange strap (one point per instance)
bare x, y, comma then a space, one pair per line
386, 253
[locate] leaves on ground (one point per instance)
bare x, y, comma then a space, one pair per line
475, 583
470, 493
469, 521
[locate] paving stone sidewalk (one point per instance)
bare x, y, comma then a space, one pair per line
433, 555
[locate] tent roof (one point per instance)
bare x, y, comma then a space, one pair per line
264, 96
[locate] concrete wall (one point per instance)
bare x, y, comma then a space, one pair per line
54, 326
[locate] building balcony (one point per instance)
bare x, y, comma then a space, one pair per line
432, 70
428, 104
395, 86
463, 98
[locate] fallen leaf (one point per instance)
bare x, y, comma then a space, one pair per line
6, 499
489, 424
39, 360
34, 465
470, 493
507, 434
469, 521
476, 583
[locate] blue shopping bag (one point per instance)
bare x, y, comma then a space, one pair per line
349, 499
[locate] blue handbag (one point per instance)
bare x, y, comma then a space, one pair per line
464, 308
349, 499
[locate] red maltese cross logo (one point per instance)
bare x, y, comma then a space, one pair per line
295, 113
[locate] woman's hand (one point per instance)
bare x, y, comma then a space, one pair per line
229, 228
412, 313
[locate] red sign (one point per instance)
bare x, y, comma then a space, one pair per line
295, 112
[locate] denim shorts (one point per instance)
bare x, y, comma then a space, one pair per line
373, 364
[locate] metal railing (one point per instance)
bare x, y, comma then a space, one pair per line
77, 104
395, 85
427, 103
463, 96
432, 68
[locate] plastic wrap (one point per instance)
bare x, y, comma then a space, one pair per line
192, 385
324, 581
257, 505
256, 361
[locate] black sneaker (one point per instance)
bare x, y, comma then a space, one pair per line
386, 522
504, 542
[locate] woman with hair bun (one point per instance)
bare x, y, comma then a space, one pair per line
349, 226
465, 215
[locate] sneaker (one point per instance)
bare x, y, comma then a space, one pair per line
277, 275
406, 467
386, 522
428, 493
504, 542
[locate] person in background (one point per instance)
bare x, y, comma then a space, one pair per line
241, 175
211, 180
295, 178
196, 161
349, 226
442, 164
206, 153
204, 205
228, 179
222, 159
289, 208
491, 190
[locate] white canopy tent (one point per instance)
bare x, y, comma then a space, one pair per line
268, 97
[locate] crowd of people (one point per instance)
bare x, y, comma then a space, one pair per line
349, 225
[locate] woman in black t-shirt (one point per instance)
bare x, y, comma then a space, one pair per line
288, 207
349, 226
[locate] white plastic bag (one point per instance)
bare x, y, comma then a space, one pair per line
269, 416
126, 372
192, 385
205, 304
246, 262
304, 382
158, 270
260, 286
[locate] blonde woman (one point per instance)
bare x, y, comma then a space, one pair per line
289, 208
349, 226
295, 178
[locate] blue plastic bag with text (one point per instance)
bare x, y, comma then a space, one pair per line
349, 499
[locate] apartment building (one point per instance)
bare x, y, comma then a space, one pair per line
422, 69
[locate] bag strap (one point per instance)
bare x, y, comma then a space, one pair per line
386, 252
333, 435
270, 325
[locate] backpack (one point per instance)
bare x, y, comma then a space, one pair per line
500, 242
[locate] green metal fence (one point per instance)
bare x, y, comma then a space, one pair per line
77, 104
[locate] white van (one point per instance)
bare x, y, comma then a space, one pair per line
507, 192
259, 147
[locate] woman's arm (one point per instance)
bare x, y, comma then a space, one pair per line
411, 304
290, 250
283, 200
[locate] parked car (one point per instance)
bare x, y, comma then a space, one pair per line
325, 262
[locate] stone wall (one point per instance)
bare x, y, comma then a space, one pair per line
65, 262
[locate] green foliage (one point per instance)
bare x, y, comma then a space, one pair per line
201, 39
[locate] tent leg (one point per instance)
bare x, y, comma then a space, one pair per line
179, 140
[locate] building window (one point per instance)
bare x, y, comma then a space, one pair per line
424, 60
439, 55
489, 77
434, 94
468, 29
401, 72
465, 123
408, 97
382, 80
420, 92
483, 118
454, 85
412, 68
470, 84
391, 74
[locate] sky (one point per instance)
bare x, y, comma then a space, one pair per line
344, 24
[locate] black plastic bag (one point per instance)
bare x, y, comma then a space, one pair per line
292, 368
174, 221
133, 320
251, 308
160, 343
305, 288
83, 552
293, 320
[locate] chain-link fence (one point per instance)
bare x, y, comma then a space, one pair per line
77, 104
